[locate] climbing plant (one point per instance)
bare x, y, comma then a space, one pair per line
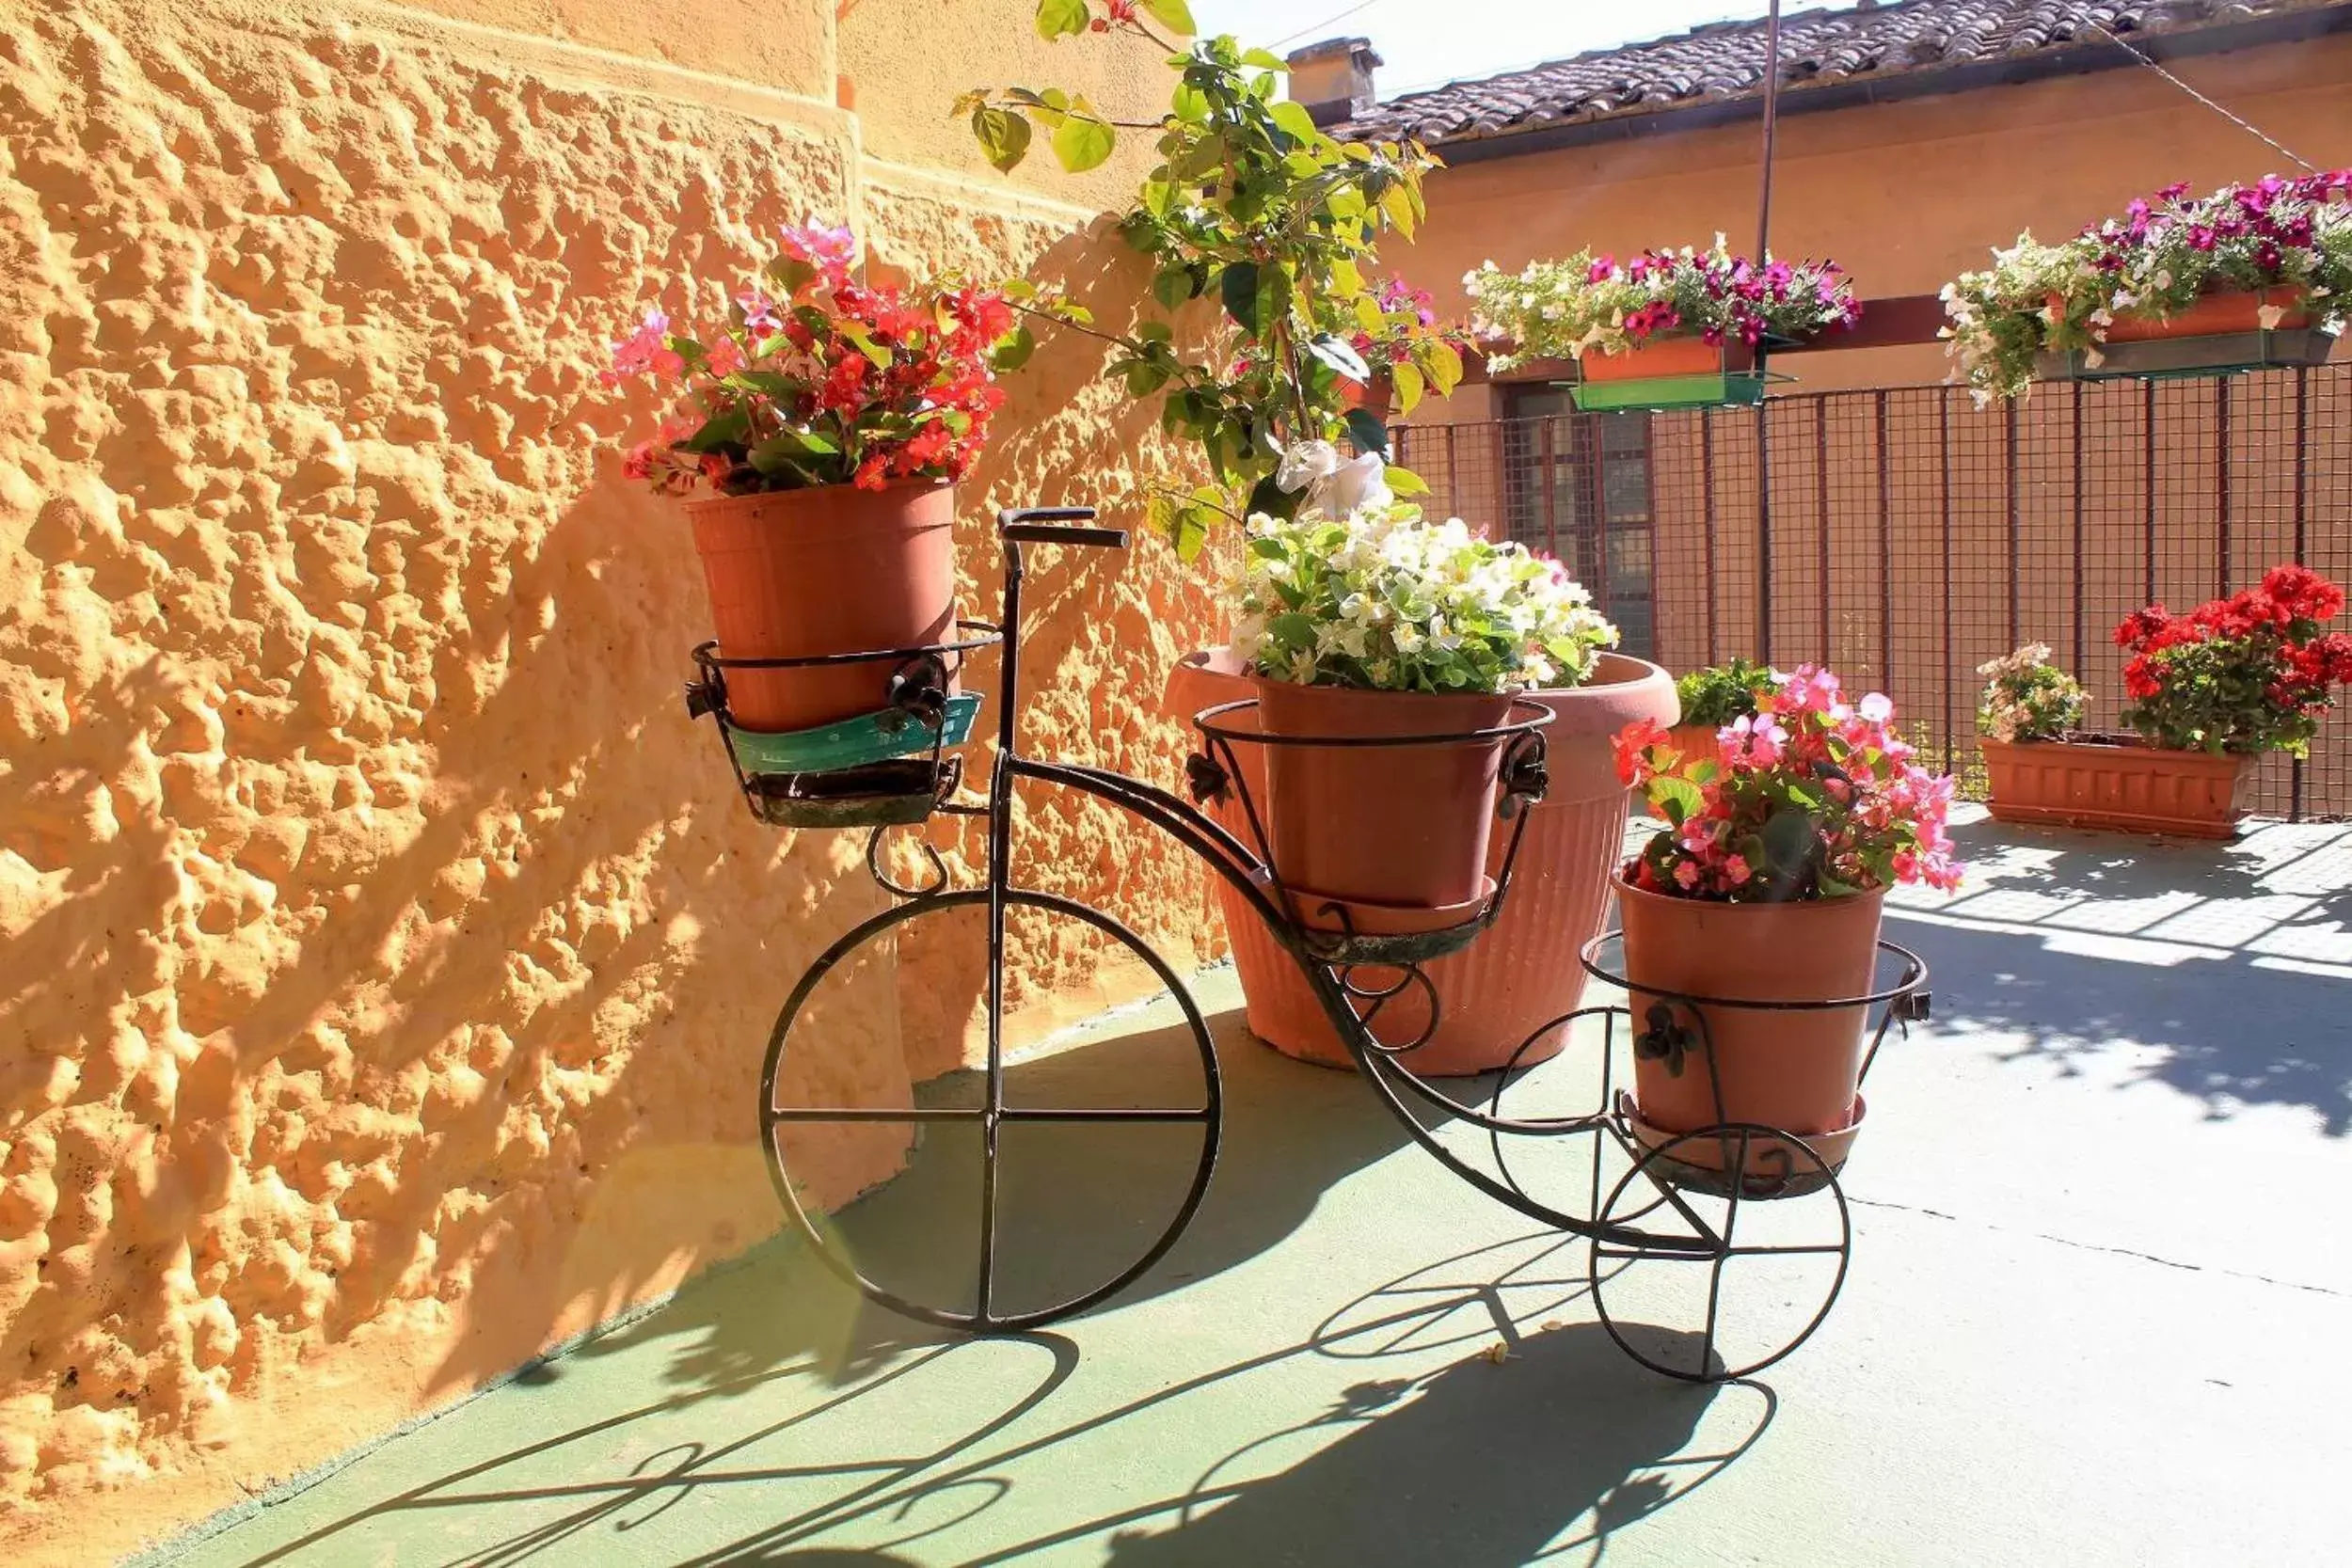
1253, 208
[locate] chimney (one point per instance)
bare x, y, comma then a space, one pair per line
1333, 79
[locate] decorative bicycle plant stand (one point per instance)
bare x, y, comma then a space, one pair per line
1681, 1202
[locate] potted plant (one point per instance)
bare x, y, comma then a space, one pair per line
1664, 329
1766, 885
1380, 623
1401, 340
823, 424
2211, 691
2248, 275
1714, 699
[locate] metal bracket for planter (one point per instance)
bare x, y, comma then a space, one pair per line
1723, 389
2167, 358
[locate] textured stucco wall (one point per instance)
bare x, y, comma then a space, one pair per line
384, 960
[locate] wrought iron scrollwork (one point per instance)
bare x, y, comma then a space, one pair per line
1206, 779
1526, 776
1665, 1041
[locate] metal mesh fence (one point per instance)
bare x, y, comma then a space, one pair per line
1905, 536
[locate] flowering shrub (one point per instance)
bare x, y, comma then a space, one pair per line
1398, 331
1262, 213
819, 379
1717, 696
2294, 236
1384, 599
2247, 673
1559, 309
1813, 797
2028, 698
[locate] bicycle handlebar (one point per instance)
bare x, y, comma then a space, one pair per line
1036, 525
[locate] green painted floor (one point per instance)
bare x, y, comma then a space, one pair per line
2098, 1312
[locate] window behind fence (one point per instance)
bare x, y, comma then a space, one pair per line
1906, 536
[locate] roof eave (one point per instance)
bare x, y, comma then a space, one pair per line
2080, 58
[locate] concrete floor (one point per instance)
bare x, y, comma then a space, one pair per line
2100, 1311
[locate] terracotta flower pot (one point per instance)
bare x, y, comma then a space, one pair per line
837, 570
1693, 740
2229, 311
1795, 1071
1376, 397
1658, 357
1379, 824
2119, 783
1522, 972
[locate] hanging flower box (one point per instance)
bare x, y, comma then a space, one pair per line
1667, 329
2248, 277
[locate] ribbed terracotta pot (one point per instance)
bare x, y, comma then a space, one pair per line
837, 570
1523, 971
1794, 1072
2117, 782
1665, 357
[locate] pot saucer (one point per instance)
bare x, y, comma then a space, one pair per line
1355, 931
1772, 1167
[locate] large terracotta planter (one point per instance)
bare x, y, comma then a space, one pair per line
1522, 972
797, 573
1399, 825
2117, 782
1660, 358
2234, 310
1797, 1071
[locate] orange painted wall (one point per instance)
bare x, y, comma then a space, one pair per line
1905, 194
385, 960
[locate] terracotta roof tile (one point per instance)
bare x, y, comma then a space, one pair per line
1726, 59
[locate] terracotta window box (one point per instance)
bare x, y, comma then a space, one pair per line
2117, 782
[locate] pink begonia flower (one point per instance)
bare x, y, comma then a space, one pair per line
1877, 708
645, 349
1688, 874
724, 358
759, 315
1735, 871
1752, 741
831, 249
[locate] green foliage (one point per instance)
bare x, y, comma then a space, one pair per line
1717, 696
1253, 206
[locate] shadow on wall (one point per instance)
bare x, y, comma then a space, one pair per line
2191, 950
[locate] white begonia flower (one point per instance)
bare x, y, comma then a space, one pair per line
1304, 464
1353, 485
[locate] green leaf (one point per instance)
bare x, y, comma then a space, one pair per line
1239, 287
1084, 142
1365, 428
874, 352
1173, 14
1293, 628
1409, 385
1443, 364
1144, 378
1403, 482
1340, 355
1295, 122
1003, 135
1190, 532
1155, 332
729, 429
1675, 798
1189, 104
1172, 287
1059, 18
1014, 351
1266, 59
